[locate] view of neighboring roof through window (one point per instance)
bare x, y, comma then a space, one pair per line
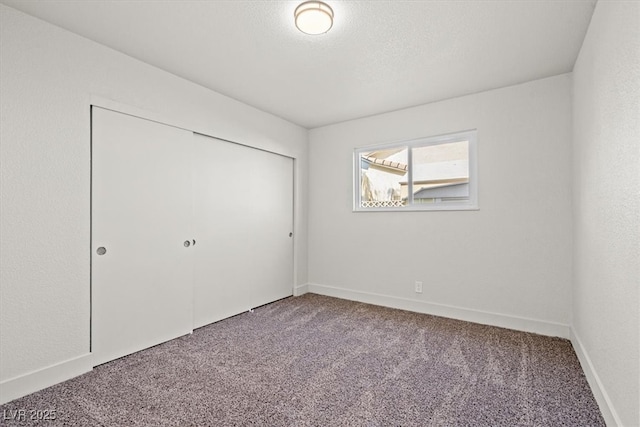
436, 173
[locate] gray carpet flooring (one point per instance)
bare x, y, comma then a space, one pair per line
320, 361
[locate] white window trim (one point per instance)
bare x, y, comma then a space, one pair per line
449, 205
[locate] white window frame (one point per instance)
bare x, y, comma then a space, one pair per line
445, 205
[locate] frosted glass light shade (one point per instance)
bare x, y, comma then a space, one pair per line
314, 17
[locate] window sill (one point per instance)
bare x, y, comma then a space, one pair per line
420, 209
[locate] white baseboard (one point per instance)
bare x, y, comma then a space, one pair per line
300, 290
31, 382
486, 318
606, 408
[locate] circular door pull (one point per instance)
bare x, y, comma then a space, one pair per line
187, 243
101, 250
290, 234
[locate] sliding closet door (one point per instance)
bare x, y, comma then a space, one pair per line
243, 219
142, 207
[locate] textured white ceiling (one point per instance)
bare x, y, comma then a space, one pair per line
379, 56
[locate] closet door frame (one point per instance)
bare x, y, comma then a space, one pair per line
106, 103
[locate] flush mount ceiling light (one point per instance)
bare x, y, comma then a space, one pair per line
314, 17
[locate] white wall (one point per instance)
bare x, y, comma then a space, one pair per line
606, 211
47, 79
507, 261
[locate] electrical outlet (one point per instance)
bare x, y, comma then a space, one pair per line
418, 287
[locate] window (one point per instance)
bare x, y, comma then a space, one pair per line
435, 173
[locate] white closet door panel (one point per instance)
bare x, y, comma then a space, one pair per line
142, 287
244, 214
